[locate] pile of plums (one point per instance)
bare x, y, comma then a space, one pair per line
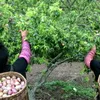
10, 85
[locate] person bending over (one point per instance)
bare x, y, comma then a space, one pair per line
21, 63
94, 65
91, 63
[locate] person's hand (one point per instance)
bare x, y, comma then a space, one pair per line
94, 48
23, 34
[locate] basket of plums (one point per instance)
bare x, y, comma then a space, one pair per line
13, 86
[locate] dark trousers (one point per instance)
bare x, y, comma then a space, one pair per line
95, 67
19, 66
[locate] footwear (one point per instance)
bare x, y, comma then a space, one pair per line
90, 56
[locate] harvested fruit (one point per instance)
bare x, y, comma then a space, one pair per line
10, 86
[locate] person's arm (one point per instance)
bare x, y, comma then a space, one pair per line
89, 57
26, 51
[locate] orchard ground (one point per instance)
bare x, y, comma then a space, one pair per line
73, 71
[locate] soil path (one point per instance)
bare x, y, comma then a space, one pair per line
66, 72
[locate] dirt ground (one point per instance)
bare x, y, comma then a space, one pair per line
66, 72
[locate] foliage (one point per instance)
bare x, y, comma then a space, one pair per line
70, 89
53, 27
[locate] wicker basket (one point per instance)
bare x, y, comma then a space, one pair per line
22, 94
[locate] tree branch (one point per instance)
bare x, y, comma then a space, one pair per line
73, 3
43, 76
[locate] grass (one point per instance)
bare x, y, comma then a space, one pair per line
70, 89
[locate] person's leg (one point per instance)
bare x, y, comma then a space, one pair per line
95, 67
20, 66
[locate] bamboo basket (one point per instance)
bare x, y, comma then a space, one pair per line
22, 94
